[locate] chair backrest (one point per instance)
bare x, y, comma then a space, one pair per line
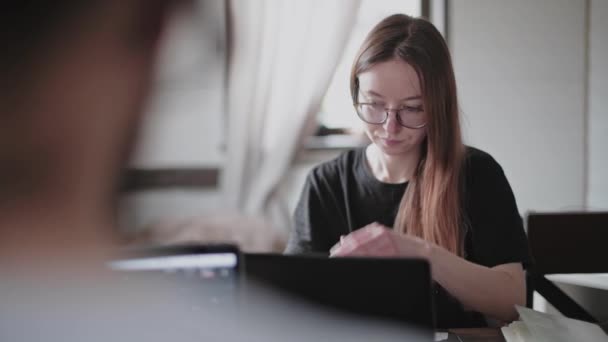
566, 243
529, 289
569, 242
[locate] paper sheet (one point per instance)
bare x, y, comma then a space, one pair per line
544, 327
441, 336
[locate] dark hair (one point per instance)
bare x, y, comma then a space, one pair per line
26, 25
430, 207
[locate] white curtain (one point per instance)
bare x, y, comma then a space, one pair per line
282, 56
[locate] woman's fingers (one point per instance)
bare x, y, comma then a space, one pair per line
337, 245
371, 231
372, 240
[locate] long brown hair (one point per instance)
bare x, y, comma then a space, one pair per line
431, 206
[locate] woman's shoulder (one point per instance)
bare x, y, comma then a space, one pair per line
339, 166
479, 163
484, 176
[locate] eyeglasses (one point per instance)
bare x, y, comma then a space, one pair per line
377, 114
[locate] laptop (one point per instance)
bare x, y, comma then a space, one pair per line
211, 278
393, 289
208, 273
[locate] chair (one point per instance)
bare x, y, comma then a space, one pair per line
563, 243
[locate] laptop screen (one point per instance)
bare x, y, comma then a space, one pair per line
212, 272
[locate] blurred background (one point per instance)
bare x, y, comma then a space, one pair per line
532, 78
252, 94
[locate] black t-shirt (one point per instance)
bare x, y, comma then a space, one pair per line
343, 195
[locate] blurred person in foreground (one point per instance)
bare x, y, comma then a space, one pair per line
73, 84
74, 77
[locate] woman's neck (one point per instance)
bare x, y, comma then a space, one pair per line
392, 168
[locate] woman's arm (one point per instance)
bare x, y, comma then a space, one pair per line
316, 214
493, 291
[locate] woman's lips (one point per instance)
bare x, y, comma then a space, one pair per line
390, 142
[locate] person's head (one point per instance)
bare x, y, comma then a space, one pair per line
73, 84
74, 78
403, 87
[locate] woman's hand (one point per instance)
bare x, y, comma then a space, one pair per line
493, 291
376, 240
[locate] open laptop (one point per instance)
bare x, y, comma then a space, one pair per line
209, 273
210, 278
395, 289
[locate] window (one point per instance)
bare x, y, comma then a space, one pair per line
337, 114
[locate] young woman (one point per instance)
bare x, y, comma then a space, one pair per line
417, 191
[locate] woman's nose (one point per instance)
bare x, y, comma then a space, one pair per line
391, 124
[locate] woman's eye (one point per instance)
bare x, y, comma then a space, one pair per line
412, 109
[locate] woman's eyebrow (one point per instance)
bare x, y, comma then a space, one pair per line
373, 93
376, 94
414, 97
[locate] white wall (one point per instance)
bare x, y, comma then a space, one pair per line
598, 106
185, 120
183, 126
520, 69
522, 75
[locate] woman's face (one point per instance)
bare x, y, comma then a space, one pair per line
394, 85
